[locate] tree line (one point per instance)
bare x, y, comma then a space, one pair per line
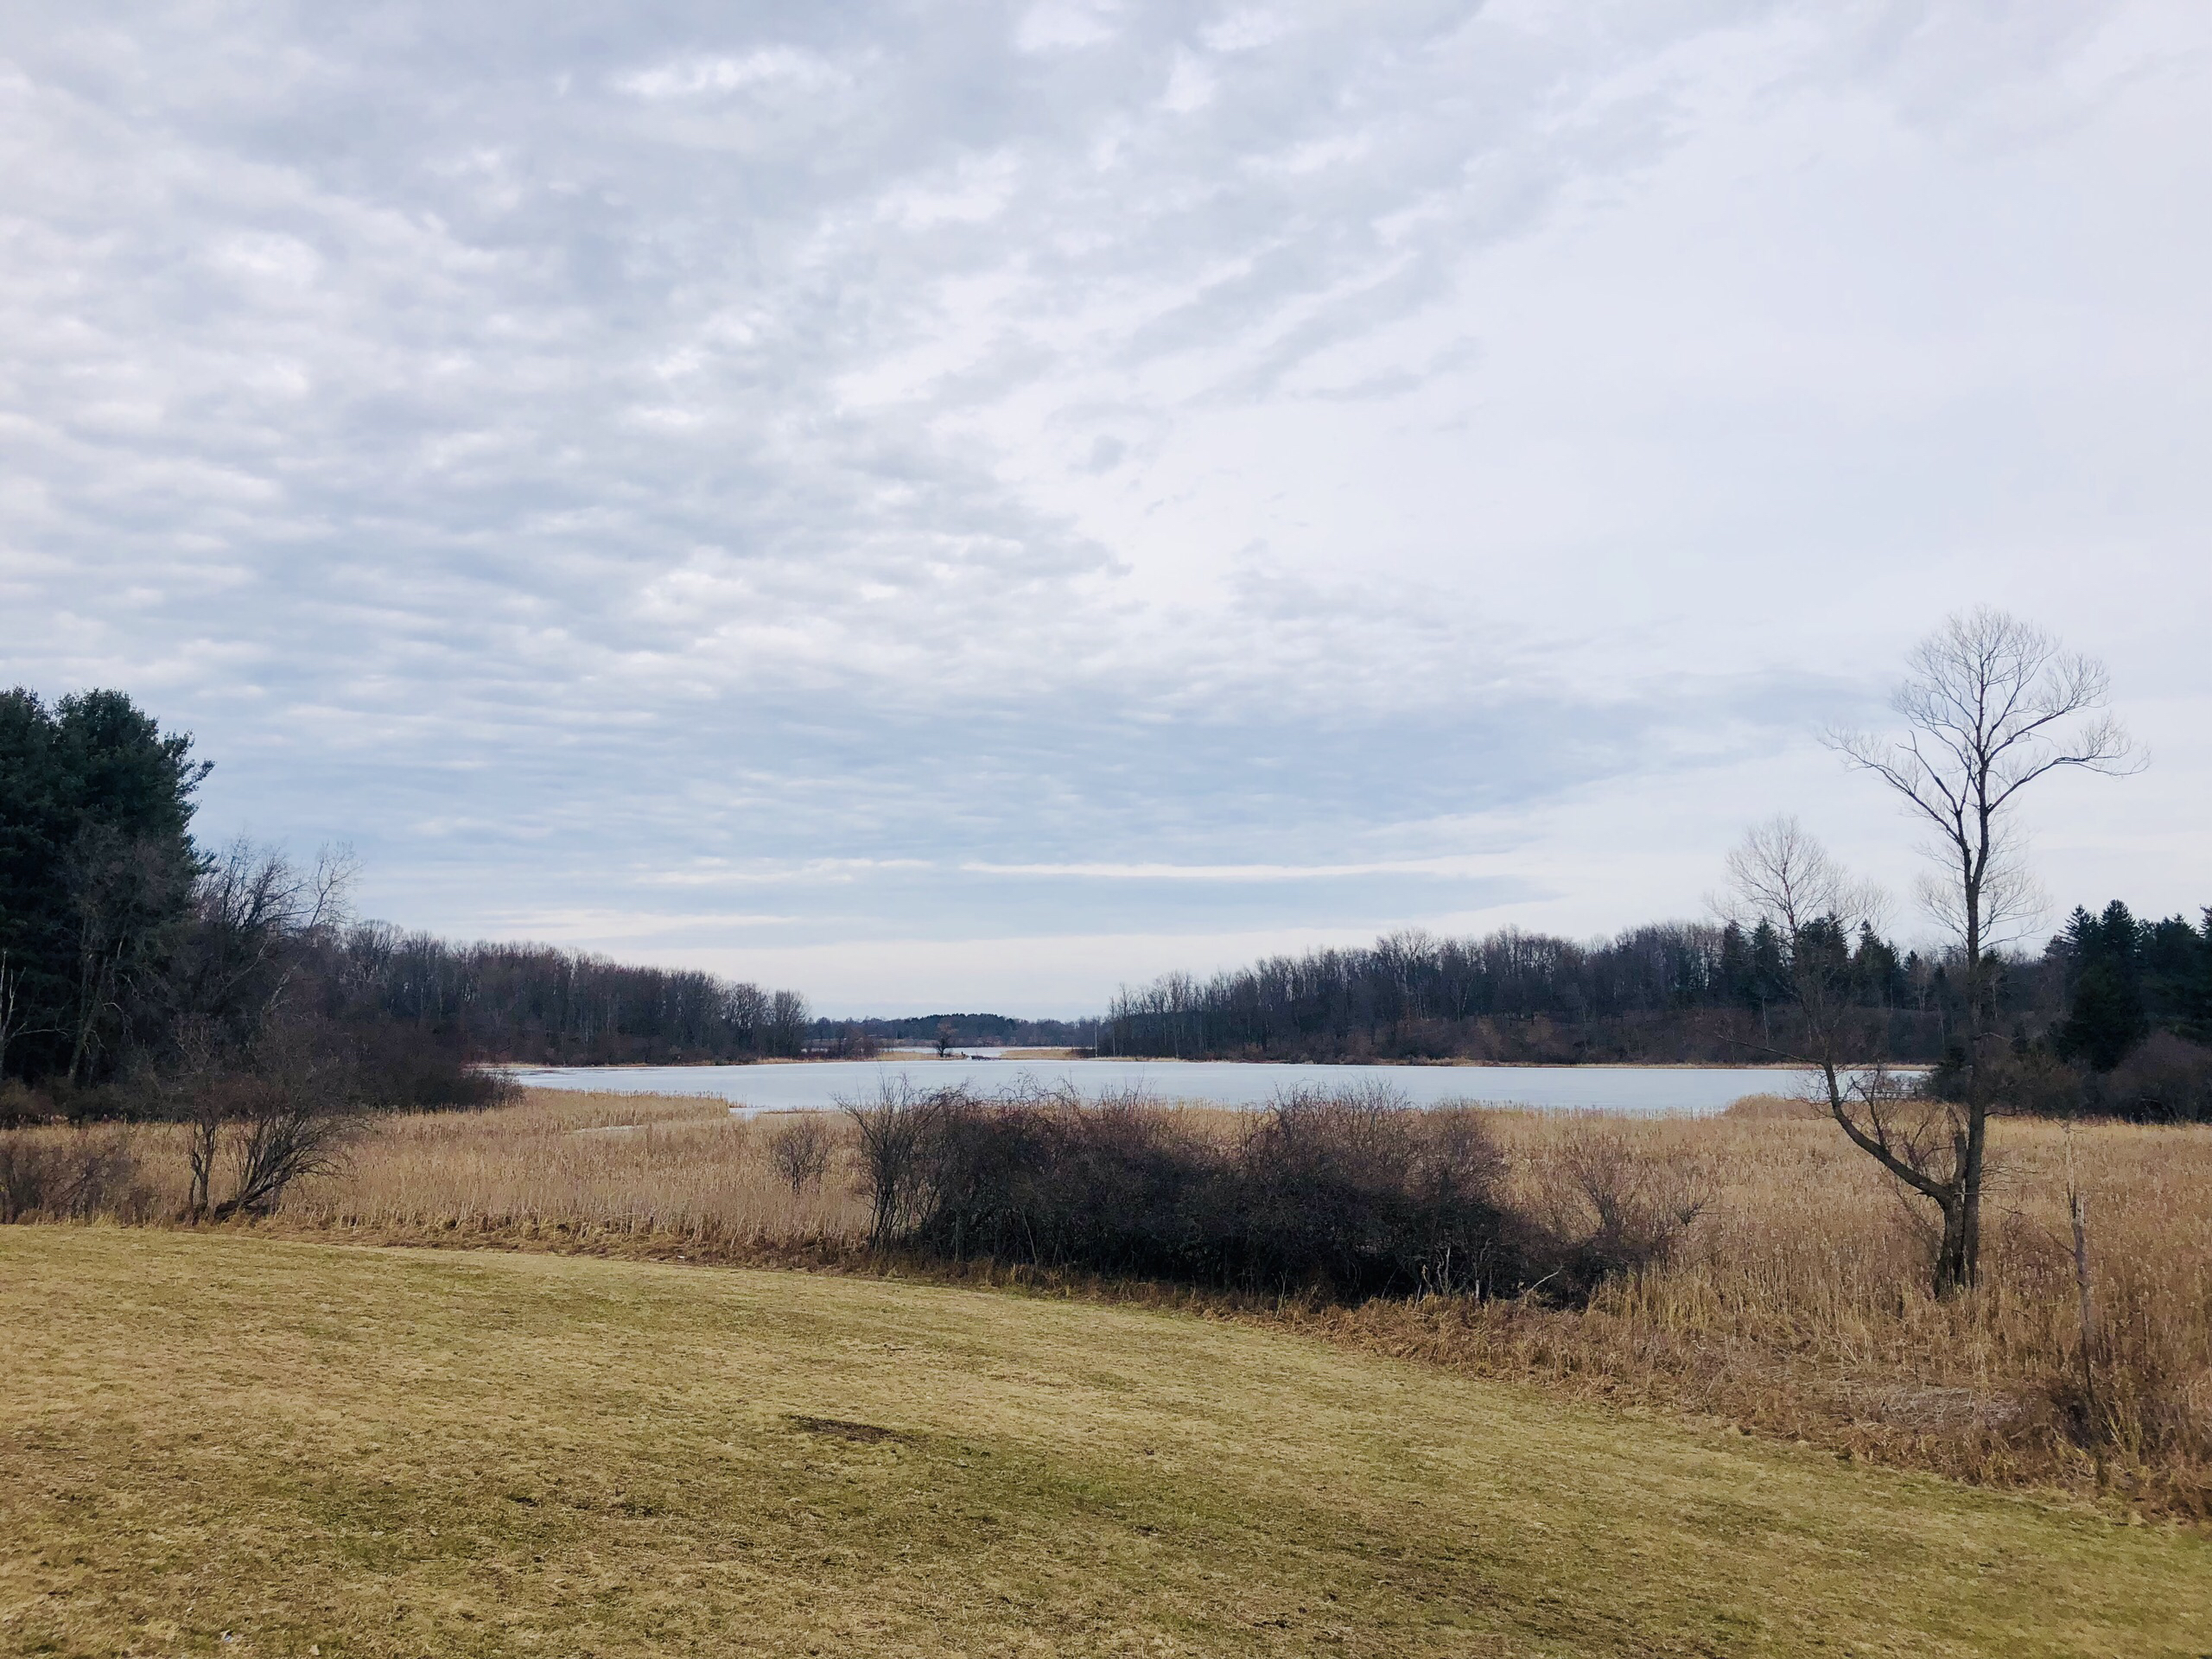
540, 1004
862, 1038
1674, 992
1671, 991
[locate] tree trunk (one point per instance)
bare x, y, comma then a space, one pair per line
1954, 1268
1977, 1139
1960, 1266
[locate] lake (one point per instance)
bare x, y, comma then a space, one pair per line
1692, 1091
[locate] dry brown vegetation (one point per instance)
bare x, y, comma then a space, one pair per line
1794, 1307
1797, 1306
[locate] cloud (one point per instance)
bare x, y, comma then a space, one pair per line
561, 454
767, 67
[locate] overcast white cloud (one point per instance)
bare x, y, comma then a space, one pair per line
966, 506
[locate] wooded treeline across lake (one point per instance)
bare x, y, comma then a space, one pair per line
2109, 1001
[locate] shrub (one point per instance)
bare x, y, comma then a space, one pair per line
19, 1106
799, 1153
69, 1176
1343, 1194
2163, 1079
1611, 1211
287, 1118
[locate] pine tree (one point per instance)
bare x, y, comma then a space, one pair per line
2106, 1015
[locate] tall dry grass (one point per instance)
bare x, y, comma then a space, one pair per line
646, 1165
1795, 1304
1798, 1304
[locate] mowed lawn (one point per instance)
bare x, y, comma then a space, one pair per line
224, 1444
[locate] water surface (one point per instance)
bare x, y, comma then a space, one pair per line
1695, 1090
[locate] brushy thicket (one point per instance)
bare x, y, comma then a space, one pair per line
76, 1175
1343, 1194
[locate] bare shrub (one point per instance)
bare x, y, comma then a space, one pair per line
1612, 1209
19, 1106
799, 1153
1122, 1188
2163, 1079
284, 1121
1346, 1194
1352, 1192
71, 1175
893, 1133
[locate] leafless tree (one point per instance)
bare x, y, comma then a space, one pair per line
800, 1151
1990, 705
787, 1022
286, 1119
256, 912
1784, 877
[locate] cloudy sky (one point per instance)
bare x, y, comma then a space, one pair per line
966, 506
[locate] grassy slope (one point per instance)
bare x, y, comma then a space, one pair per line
400, 1452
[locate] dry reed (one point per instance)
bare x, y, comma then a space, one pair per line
1798, 1305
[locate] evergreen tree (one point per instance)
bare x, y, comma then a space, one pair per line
1878, 977
2176, 973
96, 869
2106, 1015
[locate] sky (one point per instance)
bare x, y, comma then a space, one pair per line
969, 506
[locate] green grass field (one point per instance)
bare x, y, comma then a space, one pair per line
223, 1444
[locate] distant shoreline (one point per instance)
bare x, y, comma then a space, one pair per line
908, 1057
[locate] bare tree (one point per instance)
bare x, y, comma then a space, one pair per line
1990, 705
800, 1151
787, 1025
256, 911
1783, 877
286, 1120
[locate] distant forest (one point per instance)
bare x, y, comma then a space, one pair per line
2112, 1016
1671, 992
859, 1036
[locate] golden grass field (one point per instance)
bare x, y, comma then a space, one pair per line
225, 1443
